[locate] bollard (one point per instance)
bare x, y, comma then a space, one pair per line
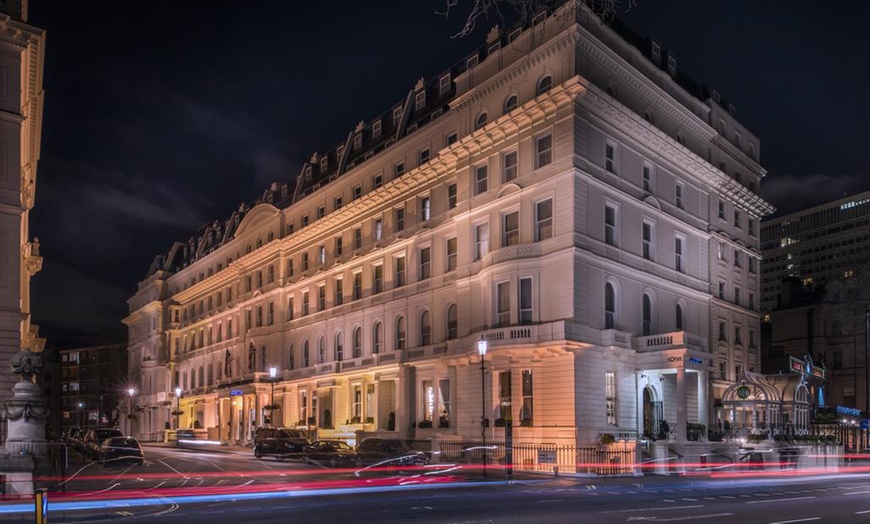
556, 471
40, 506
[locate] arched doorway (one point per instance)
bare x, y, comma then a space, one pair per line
652, 413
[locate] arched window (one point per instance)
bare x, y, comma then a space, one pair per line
510, 103
609, 306
377, 338
339, 348
425, 328
480, 121
321, 350
452, 323
357, 342
544, 85
210, 375
400, 333
306, 355
647, 315
678, 315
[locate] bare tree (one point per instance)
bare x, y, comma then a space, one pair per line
476, 10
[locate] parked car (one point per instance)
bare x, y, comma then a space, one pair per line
333, 452
120, 448
280, 442
388, 452
95, 437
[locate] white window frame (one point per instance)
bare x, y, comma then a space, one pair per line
543, 157
544, 227
611, 229
611, 155
648, 235
680, 252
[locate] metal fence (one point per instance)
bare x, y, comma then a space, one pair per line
542, 458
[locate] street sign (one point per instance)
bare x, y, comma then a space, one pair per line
864, 424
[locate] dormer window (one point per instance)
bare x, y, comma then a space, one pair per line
397, 115
376, 128
357, 141
339, 153
672, 66
544, 85
444, 84
656, 53
324, 164
420, 100
472, 61
308, 172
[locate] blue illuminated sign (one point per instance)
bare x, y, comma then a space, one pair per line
694, 360
236, 393
843, 410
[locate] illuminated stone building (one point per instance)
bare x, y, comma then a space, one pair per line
564, 193
22, 49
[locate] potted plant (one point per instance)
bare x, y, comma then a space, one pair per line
443, 421
425, 424
355, 420
370, 420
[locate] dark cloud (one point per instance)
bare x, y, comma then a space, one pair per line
794, 193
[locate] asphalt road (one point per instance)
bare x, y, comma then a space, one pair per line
197, 487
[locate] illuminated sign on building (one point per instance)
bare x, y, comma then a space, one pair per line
806, 366
236, 393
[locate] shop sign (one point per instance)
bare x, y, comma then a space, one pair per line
853, 412
236, 393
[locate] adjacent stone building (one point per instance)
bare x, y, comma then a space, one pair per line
22, 55
565, 193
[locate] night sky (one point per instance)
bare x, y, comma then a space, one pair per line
159, 120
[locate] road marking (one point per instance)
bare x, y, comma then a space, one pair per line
779, 500
173, 469
798, 520
124, 513
857, 493
727, 497
653, 509
690, 500
862, 512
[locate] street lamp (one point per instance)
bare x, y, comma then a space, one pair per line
273, 372
131, 392
81, 418
482, 346
177, 406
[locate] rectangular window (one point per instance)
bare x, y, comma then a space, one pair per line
420, 100
480, 179
723, 333
737, 295
425, 208
357, 237
738, 341
397, 115
339, 247
647, 240
504, 394
400, 271
510, 232
751, 304
290, 308
451, 254
544, 220
737, 258
339, 292
610, 397
304, 261
321, 254
451, 196
610, 152
400, 219
721, 205
378, 278
527, 412
503, 301
378, 232
425, 263
356, 411
722, 290
444, 84
259, 318
305, 307
481, 241
337, 202
752, 340
446, 404
399, 170
678, 195
751, 264
647, 177
723, 374
357, 285
424, 156
377, 181
321, 212
509, 166
357, 193
543, 151
357, 141
678, 254
452, 138
321, 297
610, 224
525, 300
304, 220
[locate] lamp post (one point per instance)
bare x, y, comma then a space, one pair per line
81, 418
482, 346
273, 372
177, 407
130, 392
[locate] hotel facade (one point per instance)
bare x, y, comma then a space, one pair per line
564, 193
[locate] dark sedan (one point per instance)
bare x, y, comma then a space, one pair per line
116, 449
332, 452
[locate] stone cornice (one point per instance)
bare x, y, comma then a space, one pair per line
520, 67
622, 118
